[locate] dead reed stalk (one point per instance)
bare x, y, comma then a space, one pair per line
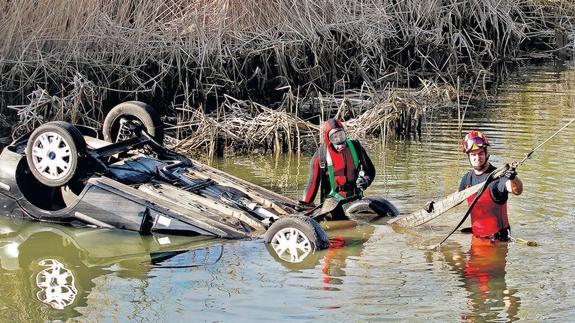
192, 53
241, 126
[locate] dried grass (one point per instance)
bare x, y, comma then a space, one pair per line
203, 53
245, 126
77, 107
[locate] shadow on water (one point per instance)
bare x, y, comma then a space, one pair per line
48, 271
482, 270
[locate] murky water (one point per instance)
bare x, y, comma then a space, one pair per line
371, 273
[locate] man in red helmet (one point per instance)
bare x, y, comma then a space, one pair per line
489, 215
340, 165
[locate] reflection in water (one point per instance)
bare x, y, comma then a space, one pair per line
198, 257
58, 266
56, 283
482, 272
308, 261
343, 244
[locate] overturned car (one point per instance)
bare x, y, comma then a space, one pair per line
63, 173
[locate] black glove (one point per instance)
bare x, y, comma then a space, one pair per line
511, 173
362, 183
429, 206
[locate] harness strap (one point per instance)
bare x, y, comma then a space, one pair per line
333, 192
331, 173
353, 154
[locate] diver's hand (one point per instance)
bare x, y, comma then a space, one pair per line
362, 183
511, 173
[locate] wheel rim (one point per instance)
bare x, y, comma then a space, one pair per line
51, 156
124, 133
290, 244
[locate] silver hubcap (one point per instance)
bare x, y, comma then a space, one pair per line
291, 245
51, 155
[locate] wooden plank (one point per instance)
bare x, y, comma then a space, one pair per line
422, 216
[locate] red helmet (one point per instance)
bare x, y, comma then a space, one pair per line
474, 140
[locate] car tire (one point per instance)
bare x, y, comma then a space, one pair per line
294, 237
370, 208
133, 110
55, 166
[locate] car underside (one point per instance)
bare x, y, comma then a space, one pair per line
66, 174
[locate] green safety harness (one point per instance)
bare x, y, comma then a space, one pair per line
353, 152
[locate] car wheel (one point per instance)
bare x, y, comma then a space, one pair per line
113, 129
294, 237
370, 208
53, 151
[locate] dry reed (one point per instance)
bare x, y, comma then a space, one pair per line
75, 59
245, 126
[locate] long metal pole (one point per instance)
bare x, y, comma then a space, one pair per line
543, 143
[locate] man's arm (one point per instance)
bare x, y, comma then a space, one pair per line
505, 185
513, 184
313, 180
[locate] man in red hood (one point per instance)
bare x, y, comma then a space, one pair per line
340, 165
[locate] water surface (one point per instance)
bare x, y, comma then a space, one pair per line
373, 272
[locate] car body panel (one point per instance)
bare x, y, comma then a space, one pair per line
120, 198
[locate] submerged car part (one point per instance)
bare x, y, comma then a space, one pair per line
294, 237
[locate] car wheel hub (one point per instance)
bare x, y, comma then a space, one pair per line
51, 155
291, 245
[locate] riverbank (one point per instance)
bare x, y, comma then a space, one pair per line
243, 126
219, 70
